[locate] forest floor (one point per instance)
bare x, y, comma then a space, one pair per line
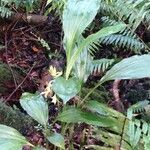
33, 48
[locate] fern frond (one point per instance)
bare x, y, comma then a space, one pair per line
55, 6
94, 39
105, 8
100, 65
134, 132
133, 12
125, 39
137, 108
140, 106
5, 12
107, 21
5, 6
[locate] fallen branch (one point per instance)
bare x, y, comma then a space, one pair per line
29, 18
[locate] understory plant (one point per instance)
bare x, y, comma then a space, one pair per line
79, 47
7, 6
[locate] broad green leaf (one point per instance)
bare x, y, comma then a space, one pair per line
102, 109
74, 115
57, 140
66, 89
90, 40
11, 139
7, 145
95, 106
35, 106
82, 66
134, 67
77, 15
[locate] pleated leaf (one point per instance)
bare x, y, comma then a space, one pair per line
90, 40
11, 139
74, 115
77, 15
134, 67
57, 140
66, 89
35, 106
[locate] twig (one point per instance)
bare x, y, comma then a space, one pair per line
21, 82
6, 50
123, 128
29, 18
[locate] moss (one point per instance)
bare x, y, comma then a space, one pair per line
5, 73
14, 117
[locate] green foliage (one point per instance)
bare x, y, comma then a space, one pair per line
103, 110
139, 130
125, 39
55, 6
133, 12
137, 108
86, 65
14, 117
75, 20
66, 89
89, 42
110, 139
101, 65
6, 6
101, 94
146, 142
134, 133
99, 108
36, 107
57, 139
74, 115
111, 136
129, 68
11, 139
5, 12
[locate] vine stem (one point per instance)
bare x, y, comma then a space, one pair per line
123, 128
46, 134
91, 91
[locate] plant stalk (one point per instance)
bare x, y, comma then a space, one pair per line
91, 91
